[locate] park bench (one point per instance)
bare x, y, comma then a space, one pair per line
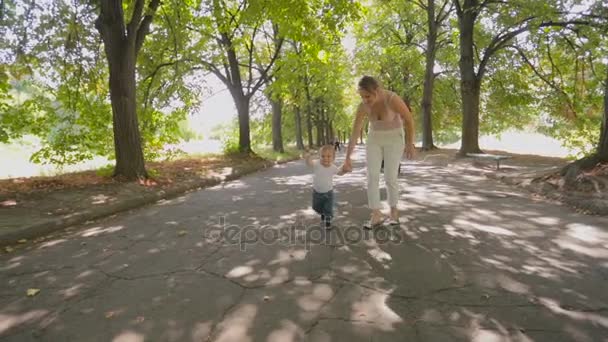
495, 157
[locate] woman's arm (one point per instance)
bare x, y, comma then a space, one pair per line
357, 126
400, 107
408, 124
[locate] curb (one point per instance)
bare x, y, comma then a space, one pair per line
52, 225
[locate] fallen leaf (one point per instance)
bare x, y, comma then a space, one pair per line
109, 314
8, 249
182, 233
22, 241
32, 292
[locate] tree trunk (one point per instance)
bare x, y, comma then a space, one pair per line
298, 118
309, 127
319, 126
127, 140
429, 79
469, 84
122, 44
602, 147
309, 111
277, 135
244, 127
242, 108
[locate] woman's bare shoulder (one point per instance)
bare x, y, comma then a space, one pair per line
390, 95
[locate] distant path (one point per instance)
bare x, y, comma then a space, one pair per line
473, 260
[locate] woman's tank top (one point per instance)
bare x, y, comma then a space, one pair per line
392, 119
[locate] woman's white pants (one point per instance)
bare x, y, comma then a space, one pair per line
387, 145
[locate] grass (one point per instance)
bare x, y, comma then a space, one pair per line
162, 173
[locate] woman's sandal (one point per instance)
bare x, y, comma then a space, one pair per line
371, 225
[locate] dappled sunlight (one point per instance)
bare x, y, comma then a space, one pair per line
289, 331
320, 294
379, 255
100, 230
173, 201
545, 221
293, 180
587, 233
236, 185
290, 217
237, 325
285, 257
598, 252
458, 233
470, 225
239, 271
100, 199
281, 275
592, 317
7, 321
128, 336
52, 243
374, 308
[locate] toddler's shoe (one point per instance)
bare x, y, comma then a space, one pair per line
328, 223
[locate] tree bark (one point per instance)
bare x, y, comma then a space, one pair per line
122, 43
277, 134
309, 127
242, 108
469, 83
319, 126
429, 79
602, 147
298, 118
309, 111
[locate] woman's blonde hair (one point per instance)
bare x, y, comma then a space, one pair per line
368, 83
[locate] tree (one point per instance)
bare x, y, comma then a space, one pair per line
122, 43
602, 146
434, 21
509, 20
277, 113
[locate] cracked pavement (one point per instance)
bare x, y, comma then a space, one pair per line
473, 260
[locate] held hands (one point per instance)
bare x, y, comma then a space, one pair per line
409, 151
347, 166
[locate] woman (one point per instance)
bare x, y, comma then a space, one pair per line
388, 116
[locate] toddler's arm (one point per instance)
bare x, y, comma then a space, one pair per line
308, 158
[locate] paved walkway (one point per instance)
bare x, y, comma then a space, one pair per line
473, 260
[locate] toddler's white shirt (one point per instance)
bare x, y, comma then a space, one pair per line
323, 177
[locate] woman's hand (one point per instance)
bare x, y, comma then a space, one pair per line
348, 166
409, 151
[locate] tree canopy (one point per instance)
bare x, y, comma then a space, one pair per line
465, 67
